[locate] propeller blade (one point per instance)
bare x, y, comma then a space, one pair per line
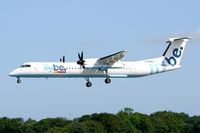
79, 56
63, 58
82, 55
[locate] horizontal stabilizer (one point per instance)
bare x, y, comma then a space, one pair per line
178, 39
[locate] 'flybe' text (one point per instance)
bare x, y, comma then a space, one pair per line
59, 69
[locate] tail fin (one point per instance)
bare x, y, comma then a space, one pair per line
173, 53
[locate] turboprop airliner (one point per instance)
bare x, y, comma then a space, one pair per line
106, 67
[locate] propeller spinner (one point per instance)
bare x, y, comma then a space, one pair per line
81, 61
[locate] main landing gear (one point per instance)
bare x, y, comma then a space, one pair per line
18, 80
89, 83
107, 80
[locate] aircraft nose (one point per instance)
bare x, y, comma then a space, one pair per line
13, 73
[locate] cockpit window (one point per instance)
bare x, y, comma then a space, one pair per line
26, 65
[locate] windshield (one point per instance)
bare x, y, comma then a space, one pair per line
25, 65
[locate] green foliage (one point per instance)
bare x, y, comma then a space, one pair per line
110, 122
125, 113
58, 130
11, 125
142, 122
125, 121
195, 122
28, 126
167, 122
45, 124
93, 127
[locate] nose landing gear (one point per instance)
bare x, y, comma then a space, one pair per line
18, 80
88, 83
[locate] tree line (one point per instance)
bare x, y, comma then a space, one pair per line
125, 121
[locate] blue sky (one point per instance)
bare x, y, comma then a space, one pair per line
46, 30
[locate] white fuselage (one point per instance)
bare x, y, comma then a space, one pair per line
121, 69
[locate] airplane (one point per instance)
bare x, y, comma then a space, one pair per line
106, 67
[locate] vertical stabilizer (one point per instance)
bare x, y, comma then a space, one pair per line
174, 52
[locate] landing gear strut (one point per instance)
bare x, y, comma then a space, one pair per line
88, 83
107, 80
18, 80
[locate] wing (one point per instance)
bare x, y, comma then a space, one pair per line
111, 59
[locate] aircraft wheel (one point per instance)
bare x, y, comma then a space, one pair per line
18, 80
107, 80
88, 84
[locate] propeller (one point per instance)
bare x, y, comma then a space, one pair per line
81, 61
62, 59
